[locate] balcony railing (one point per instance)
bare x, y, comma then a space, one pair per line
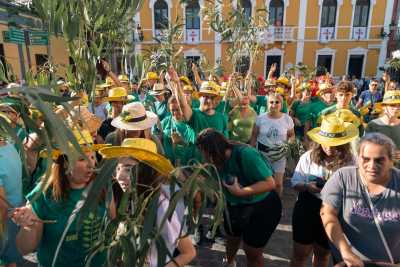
326, 34
359, 33
278, 34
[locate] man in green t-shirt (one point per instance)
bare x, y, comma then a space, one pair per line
324, 99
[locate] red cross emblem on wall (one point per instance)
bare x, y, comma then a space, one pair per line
327, 34
359, 33
193, 35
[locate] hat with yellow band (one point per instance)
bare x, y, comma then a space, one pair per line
391, 97
134, 117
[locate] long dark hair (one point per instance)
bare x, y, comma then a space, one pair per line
215, 145
343, 156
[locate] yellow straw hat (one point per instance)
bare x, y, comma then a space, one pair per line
185, 80
283, 80
109, 81
117, 94
280, 90
391, 97
134, 117
85, 140
347, 116
141, 149
151, 76
208, 88
123, 78
333, 132
188, 88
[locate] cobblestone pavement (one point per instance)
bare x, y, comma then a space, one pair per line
277, 252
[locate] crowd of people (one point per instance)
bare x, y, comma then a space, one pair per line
337, 143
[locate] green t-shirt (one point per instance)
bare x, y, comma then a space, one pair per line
393, 132
301, 111
195, 103
181, 152
241, 128
248, 160
317, 105
260, 106
161, 109
201, 121
224, 105
76, 245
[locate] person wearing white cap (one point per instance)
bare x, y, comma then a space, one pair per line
134, 122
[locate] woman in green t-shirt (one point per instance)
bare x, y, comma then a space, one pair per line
241, 121
254, 208
45, 218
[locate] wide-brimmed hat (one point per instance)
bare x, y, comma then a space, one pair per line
269, 82
141, 149
102, 86
158, 89
324, 87
280, 90
117, 94
151, 76
188, 88
346, 115
208, 88
109, 81
283, 80
134, 117
391, 97
84, 139
123, 78
333, 132
185, 80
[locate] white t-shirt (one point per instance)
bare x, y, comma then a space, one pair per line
273, 131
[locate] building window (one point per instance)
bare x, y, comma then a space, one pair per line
160, 15
325, 61
276, 9
355, 66
41, 60
328, 15
361, 13
192, 15
243, 65
246, 6
271, 60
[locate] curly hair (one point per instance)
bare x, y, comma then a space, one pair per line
343, 157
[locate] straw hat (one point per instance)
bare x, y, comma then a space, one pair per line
347, 116
134, 117
188, 88
333, 132
109, 81
185, 80
117, 94
391, 97
208, 88
158, 89
151, 76
323, 87
123, 78
280, 90
102, 86
141, 149
84, 117
84, 139
269, 83
283, 80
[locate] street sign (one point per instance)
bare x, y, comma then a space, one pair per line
38, 38
15, 36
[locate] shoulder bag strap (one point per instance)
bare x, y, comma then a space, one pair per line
385, 244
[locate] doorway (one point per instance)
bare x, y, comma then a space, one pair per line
355, 68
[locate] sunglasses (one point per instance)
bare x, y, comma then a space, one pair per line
274, 102
374, 84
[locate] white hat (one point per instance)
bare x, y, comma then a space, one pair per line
134, 117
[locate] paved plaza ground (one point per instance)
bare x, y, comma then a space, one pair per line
276, 254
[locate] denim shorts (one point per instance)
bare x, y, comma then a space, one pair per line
8, 248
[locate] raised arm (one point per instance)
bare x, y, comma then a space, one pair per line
196, 74
178, 93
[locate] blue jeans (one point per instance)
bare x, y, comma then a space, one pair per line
8, 249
